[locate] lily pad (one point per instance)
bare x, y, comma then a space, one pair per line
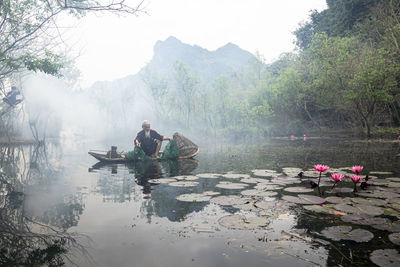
385, 257
293, 172
265, 187
252, 180
298, 189
393, 184
381, 173
395, 238
343, 232
296, 200
340, 190
312, 199
369, 201
228, 185
186, 177
162, 181
394, 179
193, 198
184, 184
379, 194
208, 175
392, 212
360, 209
211, 193
285, 180
327, 209
338, 200
258, 193
264, 173
247, 207
241, 222
229, 200
310, 173
235, 175
375, 222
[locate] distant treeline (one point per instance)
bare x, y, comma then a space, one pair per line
344, 75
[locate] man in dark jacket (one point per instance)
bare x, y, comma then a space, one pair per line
149, 140
11, 97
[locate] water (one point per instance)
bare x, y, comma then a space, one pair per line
109, 215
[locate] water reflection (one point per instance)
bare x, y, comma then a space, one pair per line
34, 236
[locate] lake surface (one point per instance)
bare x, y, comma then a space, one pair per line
112, 215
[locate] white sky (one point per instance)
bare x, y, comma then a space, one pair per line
113, 47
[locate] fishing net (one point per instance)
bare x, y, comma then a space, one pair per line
136, 154
179, 147
171, 151
187, 148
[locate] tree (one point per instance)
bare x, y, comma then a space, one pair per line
186, 85
158, 86
27, 35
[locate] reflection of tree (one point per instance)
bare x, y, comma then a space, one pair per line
25, 242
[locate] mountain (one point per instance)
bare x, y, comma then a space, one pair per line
128, 101
207, 65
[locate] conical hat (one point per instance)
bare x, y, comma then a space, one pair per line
187, 148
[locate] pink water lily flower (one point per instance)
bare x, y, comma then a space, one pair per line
321, 168
356, 179
337, 176
357, 169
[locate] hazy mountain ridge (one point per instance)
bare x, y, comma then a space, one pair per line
205, 64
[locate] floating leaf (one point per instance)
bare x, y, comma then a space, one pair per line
340, 190
265, 187
360, 209
258, 193
208, 175
296, 200
293, 172
385, 257
381, 173
241, 222
252, 180
393, 179
393, 184
342, 232
264, 173
338, 200
193, 197
395, 238
235, 175
312, 199
298, 189
161, 181
186, 177
327, 209
369, 201
247, 207
211, 193
285, 180
375, 222
229, 200
183, 184
228, 185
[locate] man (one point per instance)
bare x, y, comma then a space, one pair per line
149, 140
11, 97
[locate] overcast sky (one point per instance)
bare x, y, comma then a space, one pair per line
112, 47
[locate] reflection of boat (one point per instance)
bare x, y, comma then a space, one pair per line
187, 150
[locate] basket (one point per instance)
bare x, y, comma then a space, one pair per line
187, 149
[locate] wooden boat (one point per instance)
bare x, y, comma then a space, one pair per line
187, 150
121, 157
